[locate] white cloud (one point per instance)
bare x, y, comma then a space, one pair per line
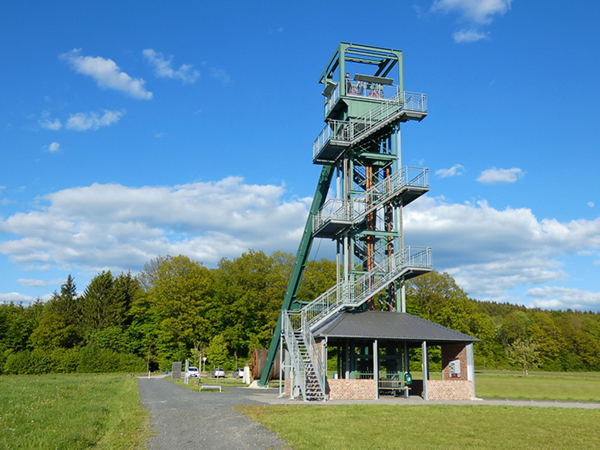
162, 67
590, 204
39, 283
477, 11
106, 73
92, 120
493, 175
50, 124
469, 36
53, 147
563, 298
15, 297
220, 75
490, 252
453, 171
120, 228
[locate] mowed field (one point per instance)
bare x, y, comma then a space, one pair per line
73, 411
450, 426
103, 411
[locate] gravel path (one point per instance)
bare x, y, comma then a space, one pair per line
192, 420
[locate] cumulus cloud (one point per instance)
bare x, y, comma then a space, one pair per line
477, 11
110, 226
453, 171
220, 75
494, 176
563, 298
106, 74
121, 228
49, 124
15, 297
469, 36
92, 120
489, 251
162, 67
53, 147
39, 283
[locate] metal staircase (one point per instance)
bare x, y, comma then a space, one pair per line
309, 374
410, 182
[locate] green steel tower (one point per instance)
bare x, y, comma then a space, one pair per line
359, 149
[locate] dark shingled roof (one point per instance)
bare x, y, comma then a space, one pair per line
389, 325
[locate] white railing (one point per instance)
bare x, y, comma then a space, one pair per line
308, 367
355, 293
352, 130
295, 354
314, 355
381, 192
332, 99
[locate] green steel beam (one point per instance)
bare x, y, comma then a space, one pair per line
385, 59
290, 301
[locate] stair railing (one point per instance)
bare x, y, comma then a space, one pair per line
295, 354
314, 355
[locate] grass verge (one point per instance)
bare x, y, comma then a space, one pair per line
71, 411
429, 426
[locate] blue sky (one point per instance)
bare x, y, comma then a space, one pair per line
130, 131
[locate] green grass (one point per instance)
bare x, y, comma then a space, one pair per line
73, 411
429, 426
578, 386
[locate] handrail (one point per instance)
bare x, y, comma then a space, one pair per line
358, 291
294, 349
314, 355
367, 201
351, 130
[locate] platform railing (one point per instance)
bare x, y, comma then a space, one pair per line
378, 194
356, 292
352, 130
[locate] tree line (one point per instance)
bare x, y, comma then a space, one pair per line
177, 308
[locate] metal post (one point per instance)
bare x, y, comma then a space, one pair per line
281, 350
406, 364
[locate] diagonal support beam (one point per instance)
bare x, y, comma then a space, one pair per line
290, 301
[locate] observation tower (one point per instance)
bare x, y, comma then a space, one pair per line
359, 150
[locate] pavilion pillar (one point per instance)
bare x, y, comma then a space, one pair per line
425, 368
376, 368
406, 364
347, 362
471, 366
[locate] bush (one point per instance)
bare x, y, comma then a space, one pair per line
28, 363
94, 360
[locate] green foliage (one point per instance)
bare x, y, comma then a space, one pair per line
524, 354
54, 332
93, 359
217, 351
177, 307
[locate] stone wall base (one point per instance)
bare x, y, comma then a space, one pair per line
450, 390
340, 389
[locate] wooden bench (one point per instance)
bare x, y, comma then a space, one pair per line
392, 385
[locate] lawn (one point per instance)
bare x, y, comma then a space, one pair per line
573, 386
72, 411
382, 427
